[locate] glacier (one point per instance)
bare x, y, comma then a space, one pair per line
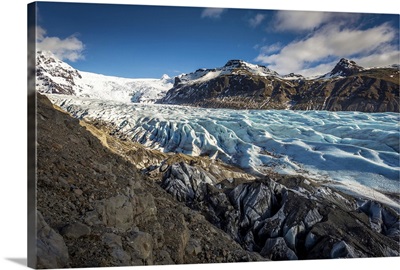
353, 151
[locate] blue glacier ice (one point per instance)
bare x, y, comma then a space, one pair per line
356, 151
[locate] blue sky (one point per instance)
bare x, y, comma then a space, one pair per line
148, 41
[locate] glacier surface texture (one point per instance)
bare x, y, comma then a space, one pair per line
357, 152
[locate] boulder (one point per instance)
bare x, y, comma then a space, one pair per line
51, 249
75, 230
114, 244
116, 211
140, 246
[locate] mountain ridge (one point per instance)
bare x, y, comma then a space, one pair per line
236, 85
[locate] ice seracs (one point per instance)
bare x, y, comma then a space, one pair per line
356, 151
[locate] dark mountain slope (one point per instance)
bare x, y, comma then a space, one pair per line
348, 87
374, 90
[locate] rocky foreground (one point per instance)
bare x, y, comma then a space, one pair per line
96, 209
106, 202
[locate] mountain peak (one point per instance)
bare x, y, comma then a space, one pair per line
253, 68
45, 53
54, 76
165, 77
235, 63
346, 67
347, 63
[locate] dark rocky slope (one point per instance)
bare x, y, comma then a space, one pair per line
95, 208
348, 87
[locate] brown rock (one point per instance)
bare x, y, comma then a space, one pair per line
75, 230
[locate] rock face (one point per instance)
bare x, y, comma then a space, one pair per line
51, 249
239, 85
96, 209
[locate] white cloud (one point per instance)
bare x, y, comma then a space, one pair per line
40, 33
271, 48
318, 70
308, 20
387, 57
379, 59
256, 20
70, 48
328, 42
212, 12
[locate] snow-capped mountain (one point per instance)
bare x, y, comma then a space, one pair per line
240, 85
343, 68
232, 86
54, 76
232, 67
57, 77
